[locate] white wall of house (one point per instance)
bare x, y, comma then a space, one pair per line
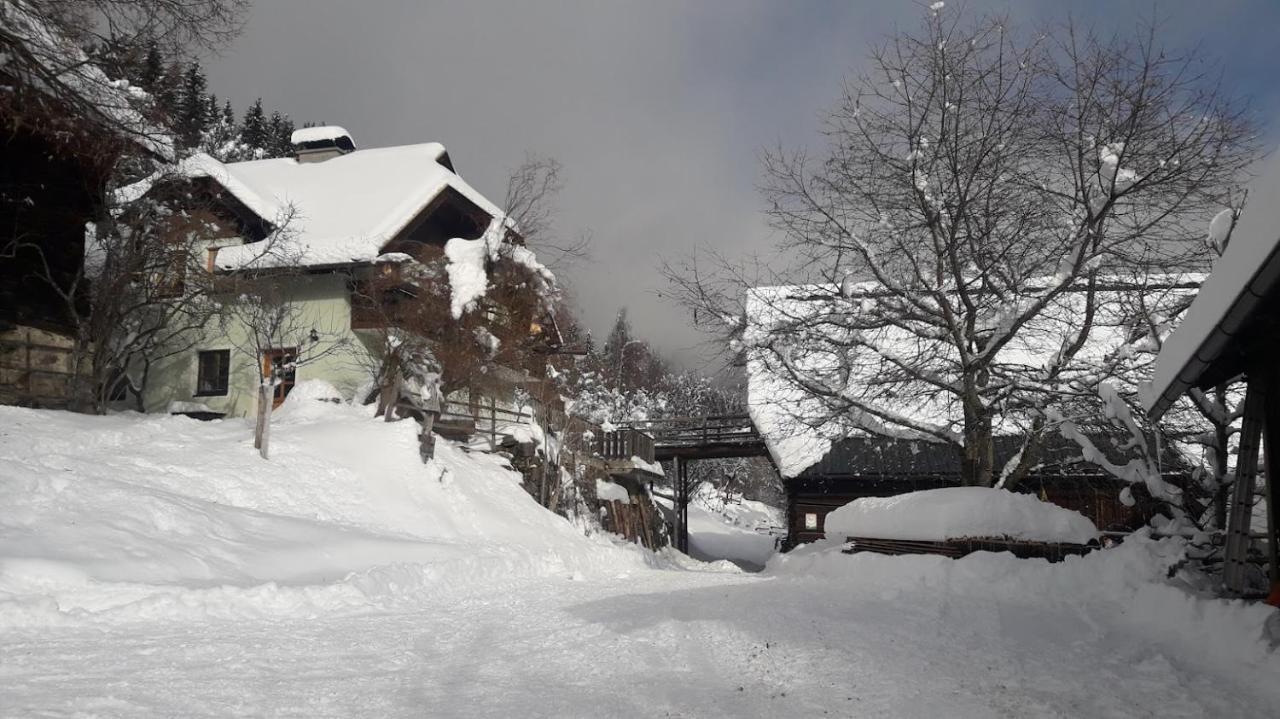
324, 303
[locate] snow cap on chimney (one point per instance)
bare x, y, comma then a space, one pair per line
317, 144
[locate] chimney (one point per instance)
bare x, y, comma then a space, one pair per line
317, 144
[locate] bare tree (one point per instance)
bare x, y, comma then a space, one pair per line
277, 332
960, 243
532, 190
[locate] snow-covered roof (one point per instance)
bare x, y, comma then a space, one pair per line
54, 65
1248, 271
800, 322
340, 211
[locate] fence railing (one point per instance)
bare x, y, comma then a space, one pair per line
625, 444
688, 431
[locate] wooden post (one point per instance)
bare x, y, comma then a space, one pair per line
1271, 429
676, 529
493, 423
1241, 511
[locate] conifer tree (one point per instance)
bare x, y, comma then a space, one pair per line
253, 130
280, 135
193, 108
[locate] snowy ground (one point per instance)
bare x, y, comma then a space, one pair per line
730, 527
150, 567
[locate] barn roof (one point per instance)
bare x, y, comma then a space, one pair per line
343, 210
799, 431
40, 57
1207, 346
867, 457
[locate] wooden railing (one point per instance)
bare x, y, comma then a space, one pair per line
700, 431
625, 444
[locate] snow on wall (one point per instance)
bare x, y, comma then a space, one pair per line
958, 513
468, 279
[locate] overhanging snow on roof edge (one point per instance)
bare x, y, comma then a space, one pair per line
1248, 271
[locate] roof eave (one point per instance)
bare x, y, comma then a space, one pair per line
1265, 281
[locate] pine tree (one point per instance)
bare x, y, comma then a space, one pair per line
151, 74
253, 130
280, 135
193, 106
166, 92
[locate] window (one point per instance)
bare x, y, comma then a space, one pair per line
811, 521
280, 364
211, 376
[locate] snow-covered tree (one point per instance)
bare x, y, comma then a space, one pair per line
986, 197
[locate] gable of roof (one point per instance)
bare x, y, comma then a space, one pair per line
337, 212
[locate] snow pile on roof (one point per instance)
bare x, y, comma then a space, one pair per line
136, 517
340, 211
807, 329
321, 133
959, 513
112, 103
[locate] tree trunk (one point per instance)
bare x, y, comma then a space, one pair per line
261, 427
978, 456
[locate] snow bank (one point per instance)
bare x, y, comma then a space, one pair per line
959, 512
1126, 588
145, 517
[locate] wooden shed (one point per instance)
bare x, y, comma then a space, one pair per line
858, 467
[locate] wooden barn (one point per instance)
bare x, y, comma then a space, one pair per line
858, 467
65, 127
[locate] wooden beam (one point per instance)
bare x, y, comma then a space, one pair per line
1241, 510
1271, 429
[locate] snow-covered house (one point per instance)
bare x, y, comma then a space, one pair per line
829, 455
313, 227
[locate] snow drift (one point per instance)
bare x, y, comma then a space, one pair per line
1127, 588
145, 517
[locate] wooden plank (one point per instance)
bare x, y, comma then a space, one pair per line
1241, 510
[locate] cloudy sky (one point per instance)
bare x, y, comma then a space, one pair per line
658, 110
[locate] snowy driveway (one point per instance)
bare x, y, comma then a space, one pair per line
652, 644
